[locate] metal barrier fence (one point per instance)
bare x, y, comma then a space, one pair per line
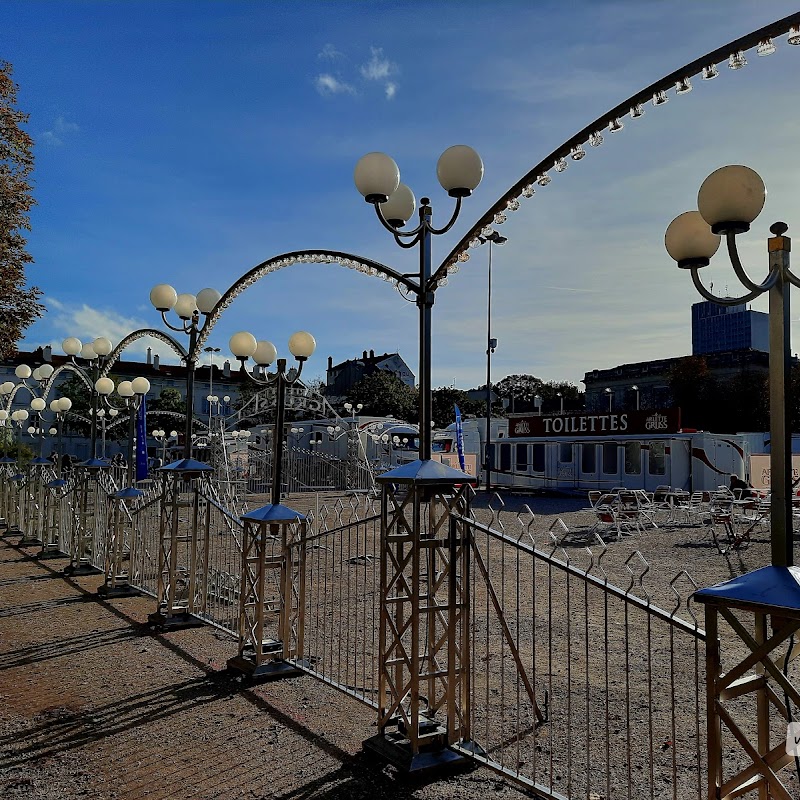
582, 688
341, 606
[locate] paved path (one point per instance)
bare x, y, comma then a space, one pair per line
93, 704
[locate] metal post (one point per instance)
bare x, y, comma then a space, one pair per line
780, 432
488, 449
277, 438
425, 303
131, 432
190, 364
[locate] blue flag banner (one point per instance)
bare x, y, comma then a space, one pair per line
141, 441
460, 439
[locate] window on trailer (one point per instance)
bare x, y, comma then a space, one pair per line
658, 459
589, 458
522, 457
633, 458
537, 457
610, 458
505, 457
565, 452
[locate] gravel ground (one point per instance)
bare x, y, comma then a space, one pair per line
95, 704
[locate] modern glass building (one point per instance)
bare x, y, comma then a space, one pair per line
717, 329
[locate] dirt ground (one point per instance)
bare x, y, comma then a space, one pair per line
93, 703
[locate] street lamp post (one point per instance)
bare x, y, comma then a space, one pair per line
260, 656
211, 351
610, 394
560, 396
188, 308
636, 389
422, 591
537, 402
728, 201
491, 344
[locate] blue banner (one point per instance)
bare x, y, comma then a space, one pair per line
460, 439
141, 440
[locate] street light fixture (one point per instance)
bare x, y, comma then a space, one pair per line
610, 393
636, 389
491, 344
560, 396
728, 201
188, 308
243, 345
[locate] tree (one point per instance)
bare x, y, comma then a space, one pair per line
519, 391
19, 306
383, 394
695, 391
81, 397
170, 399
443, 405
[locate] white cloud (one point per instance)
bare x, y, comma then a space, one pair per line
61, 129
378, 68
391, 90
326, 84
330, 52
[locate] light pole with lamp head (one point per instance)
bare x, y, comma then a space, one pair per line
728, 201
211, 351
491, 345
636, 389
421, 499
610, 394
188, 309
560, 396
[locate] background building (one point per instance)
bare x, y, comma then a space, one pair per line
341, 377
717, 329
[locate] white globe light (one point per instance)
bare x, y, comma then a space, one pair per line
265, 353
36, 375
185, 306
243, 344
54, 406
31, 429
460, 170
23, 371
399, 208
226, 399
46, 370
53, 431
101, 412
377, 177
104, 386
302, 345
689, 240
72, 345
140, 385
734, 195
38, 404
102, 346
6, 388
173, 434
207, 299
163, 297
125, 389
3, 415
112, 412
64, 404
87, 352
22, 414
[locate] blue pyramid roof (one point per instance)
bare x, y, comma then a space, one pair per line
95, 463
56, 484
8, 460
128, 493
773, 587
431, 472
186, 465
273, 513
37, 462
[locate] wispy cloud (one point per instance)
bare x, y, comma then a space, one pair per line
327, 85
379, 68
60, 130
330, 52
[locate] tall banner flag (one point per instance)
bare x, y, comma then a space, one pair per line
141, 440
460, 439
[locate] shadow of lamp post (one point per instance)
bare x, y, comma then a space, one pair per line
728, 201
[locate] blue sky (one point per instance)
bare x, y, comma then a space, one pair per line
185, 142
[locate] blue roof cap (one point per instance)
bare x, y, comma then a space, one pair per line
95, 463
273, 513
431, 472
128, 493
56, 484
8, 460
768, 587
186, 465
36, 462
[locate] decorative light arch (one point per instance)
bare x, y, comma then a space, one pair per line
592, 134
154, 333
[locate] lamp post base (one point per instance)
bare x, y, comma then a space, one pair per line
29, 541
10, 532
83, 568
173, 622
120, 590
434, 756
266, 671
50, 552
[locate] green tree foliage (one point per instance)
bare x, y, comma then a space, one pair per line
170, 399
444, 401
383, 394
695, 391
520, 390
19, 306
79, 393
